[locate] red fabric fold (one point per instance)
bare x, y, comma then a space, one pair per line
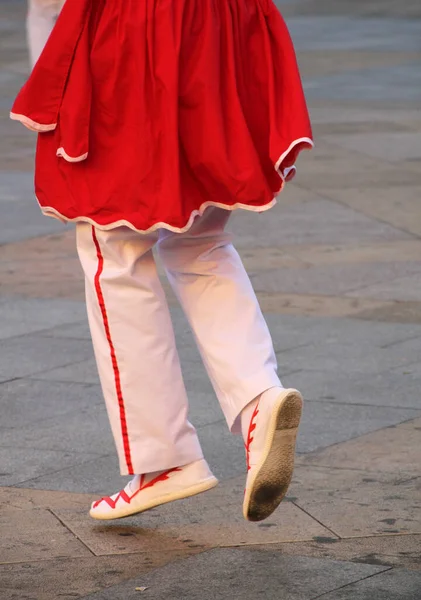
180, 105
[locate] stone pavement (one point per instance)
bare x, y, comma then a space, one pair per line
337, 269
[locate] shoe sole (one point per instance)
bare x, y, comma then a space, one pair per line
193, 490
274, 472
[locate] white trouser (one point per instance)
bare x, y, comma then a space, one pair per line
134, 341
40, 21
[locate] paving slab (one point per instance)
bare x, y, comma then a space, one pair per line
83, 372
24, 402
318, 221
374, 8
395, 584
94, 474
72, 578
392, 449
333, 113
350, 33
22, 217
353, 503
320, 63
19, 316
25, 499
373, 173
332, 279
224, 451
394, 147
400, 83
327, 423
385, 203
354, 357
385, 388
211, 519
319, 254
387, 550
77, 331
393, 312
320, 305
402, 289
243, 573
25, 464
30, 535
330, 333
83, 431
32, 354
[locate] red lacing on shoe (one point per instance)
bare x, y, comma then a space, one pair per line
252, 427
142, 486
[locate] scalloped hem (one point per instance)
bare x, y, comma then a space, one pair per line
32, 125
288, 173
285, 174
48, 211
61, 152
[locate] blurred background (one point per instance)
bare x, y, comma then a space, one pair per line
336, 266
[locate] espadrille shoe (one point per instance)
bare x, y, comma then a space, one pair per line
270, 451
147, 491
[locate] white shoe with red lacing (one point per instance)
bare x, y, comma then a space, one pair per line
270, 451
147, 491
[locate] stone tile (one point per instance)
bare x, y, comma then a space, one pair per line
222, 574
20, 465
32, 354
387, 550
319, 254
388, 204
205, 410
26, 499
97, 475
331, 333
211, 519
393, 449
83, 431
399, 83
342, 164
77, 331
35, 535
393, 389
24, 402
320, 63
356, 113
332, 279
327, 423
353, 503
19, 316
315, 221
401, 289
23, 219
75, 577
319, 305
393, 312
356, 357
390, 146
44, 267
395, 584
85, 372
348, 33
373, 8
224, 451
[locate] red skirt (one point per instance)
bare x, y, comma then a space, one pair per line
149, 111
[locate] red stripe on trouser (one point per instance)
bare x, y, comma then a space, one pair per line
117, 380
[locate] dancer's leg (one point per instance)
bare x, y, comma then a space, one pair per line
135, 351
215, 292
